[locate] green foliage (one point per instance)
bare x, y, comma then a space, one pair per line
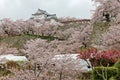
104, 73
112, 78
117, 65
83, 76
4, 72
98, 29
49, 38
83, 48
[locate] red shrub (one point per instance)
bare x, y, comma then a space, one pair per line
104, 58
112, 55
87, 53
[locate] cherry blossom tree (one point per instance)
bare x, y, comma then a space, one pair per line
2, 32
21, 75
107, 10
111, 37
30, 26
10, 27
5, 49
40, 52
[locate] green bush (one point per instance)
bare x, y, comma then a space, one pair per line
117, 65
104, 73
49, 38
4, 72
112, 78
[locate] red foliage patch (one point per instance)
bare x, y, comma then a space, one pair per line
103, 58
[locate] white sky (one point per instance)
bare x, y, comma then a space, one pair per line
22, 9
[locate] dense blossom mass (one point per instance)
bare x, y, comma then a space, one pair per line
107, 10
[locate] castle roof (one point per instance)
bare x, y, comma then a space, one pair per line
39, 12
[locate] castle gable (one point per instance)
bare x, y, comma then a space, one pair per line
41, 14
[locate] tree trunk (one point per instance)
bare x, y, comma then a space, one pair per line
60, 75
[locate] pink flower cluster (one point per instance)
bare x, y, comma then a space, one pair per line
87, 53
103, 58
111, 55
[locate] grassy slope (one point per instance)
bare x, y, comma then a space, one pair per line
98, 29
16, 41
19, 41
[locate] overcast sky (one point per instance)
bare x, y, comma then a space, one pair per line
22, 9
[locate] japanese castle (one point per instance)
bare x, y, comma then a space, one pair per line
41, 14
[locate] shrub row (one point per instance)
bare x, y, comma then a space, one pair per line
107, 73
